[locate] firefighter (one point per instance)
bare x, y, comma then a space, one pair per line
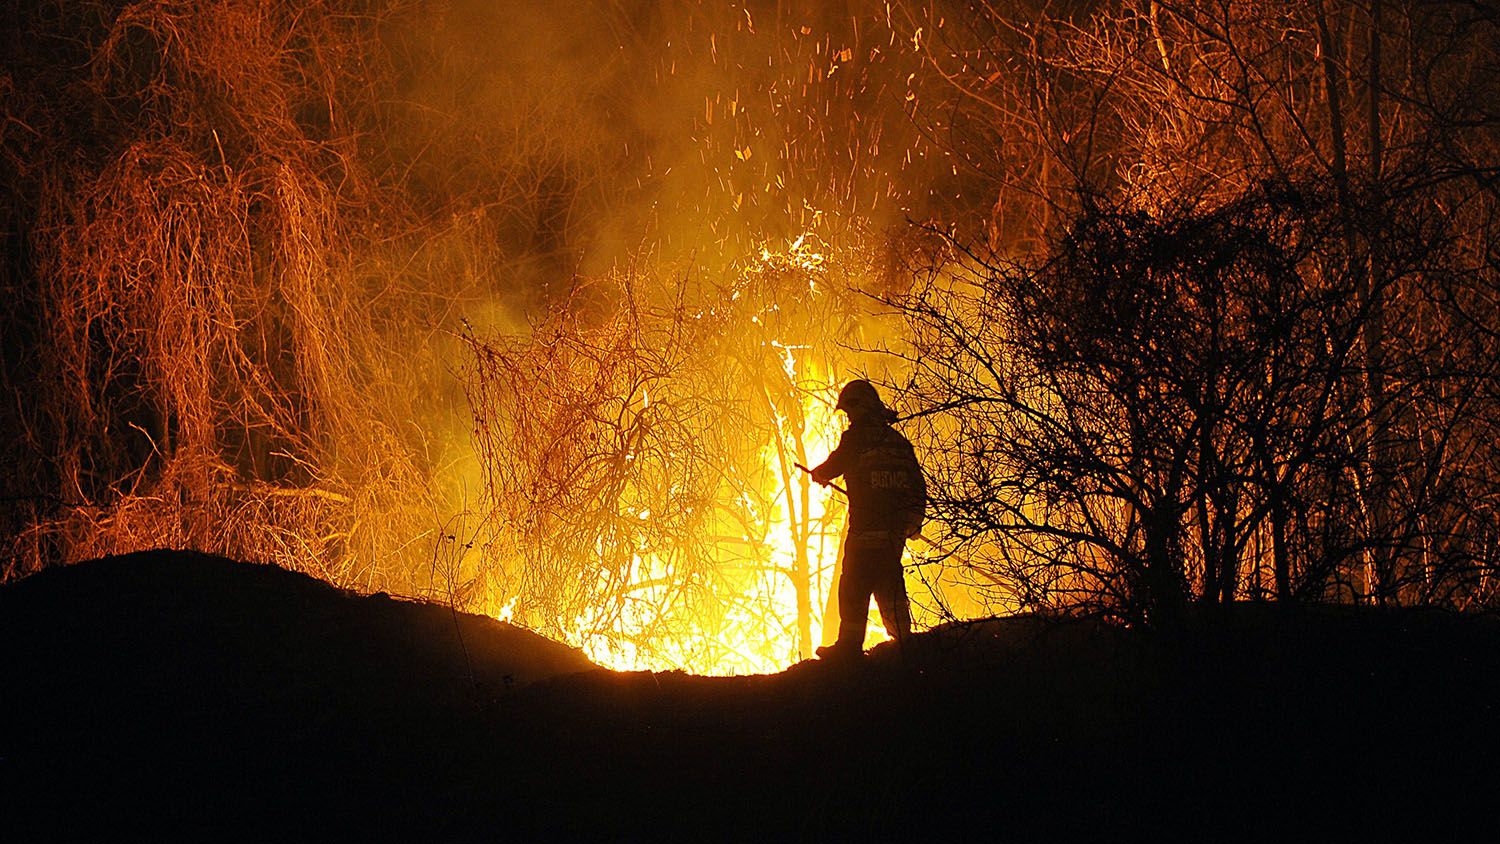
887, 501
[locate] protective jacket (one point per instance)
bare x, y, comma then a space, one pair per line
886, 489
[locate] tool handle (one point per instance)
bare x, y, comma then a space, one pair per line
834, 485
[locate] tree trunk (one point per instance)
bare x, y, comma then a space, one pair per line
1374, 490
1373, 337
799, 525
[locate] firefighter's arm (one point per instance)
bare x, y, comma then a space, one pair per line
825, 472
823, 475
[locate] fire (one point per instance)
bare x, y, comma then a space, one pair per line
252, 332
759, 632
773, 539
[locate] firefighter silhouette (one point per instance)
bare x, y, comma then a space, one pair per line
887, 501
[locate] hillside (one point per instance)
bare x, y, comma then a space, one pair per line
171, 694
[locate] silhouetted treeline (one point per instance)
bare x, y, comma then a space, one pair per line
1240, 340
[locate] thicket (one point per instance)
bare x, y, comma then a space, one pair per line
1246, 348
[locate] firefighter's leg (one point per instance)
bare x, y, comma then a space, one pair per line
855, 589
889, 588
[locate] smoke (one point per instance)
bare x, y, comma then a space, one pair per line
594, 131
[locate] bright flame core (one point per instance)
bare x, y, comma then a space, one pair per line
759, 629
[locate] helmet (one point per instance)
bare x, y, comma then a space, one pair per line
859, 399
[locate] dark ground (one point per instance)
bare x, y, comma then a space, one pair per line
173, 696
